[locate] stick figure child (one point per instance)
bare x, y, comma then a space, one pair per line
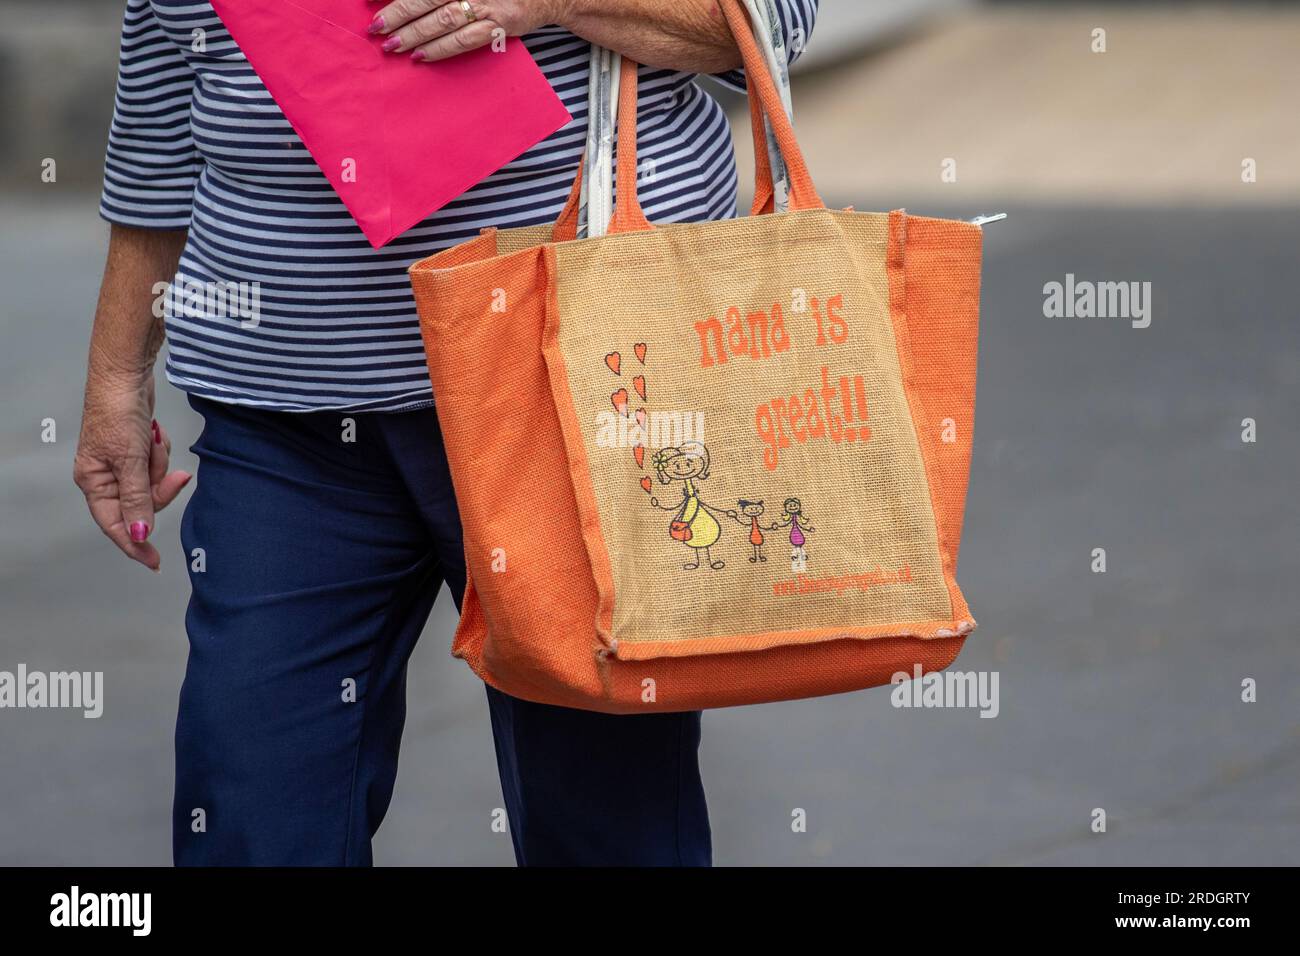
797, 522
750, 512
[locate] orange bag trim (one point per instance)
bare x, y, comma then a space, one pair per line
579, 466
896, 271
734, 643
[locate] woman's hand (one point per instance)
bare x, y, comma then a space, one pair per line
437, 29
121, 462
689, 35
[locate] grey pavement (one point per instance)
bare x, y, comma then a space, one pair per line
1118, 690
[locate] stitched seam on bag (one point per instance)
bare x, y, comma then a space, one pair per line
658, 649
576, 458
897, 266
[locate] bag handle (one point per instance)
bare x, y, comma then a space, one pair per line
766, 109
771, 178
764, 184
593, 187
628, 215
566, 227
761, 86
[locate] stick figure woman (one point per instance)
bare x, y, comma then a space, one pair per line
694, 523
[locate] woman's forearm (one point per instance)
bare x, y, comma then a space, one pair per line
122, 460
127, 335
688, 35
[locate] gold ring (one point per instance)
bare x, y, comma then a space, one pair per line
470, 16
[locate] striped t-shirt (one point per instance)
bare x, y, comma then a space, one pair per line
197, 142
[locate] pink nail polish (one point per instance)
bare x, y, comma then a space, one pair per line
376, 25
391, 44
419, 56
139, 532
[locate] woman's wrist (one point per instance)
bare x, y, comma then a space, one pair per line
567, 13
125, 364
687, 35
128, 330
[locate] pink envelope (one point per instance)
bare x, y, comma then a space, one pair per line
397, 140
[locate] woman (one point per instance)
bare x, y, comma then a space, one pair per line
324, 521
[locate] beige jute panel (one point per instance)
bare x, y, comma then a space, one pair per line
628, 310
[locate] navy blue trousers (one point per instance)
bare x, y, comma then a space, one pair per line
320, 560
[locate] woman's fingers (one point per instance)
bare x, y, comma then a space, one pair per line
395, 14
123, 498
135, 493
101, 494
159, 452
409, 23
165, 486
432, 29
471, 37
166, 490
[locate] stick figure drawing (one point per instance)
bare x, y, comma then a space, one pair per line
750, 512
695, 522
794, 519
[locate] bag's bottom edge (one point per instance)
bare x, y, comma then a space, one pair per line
644, 650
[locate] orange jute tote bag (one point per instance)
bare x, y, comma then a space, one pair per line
708, 464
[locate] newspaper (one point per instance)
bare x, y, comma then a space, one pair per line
596, 200
767, 30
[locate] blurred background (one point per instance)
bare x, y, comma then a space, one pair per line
1173, 157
